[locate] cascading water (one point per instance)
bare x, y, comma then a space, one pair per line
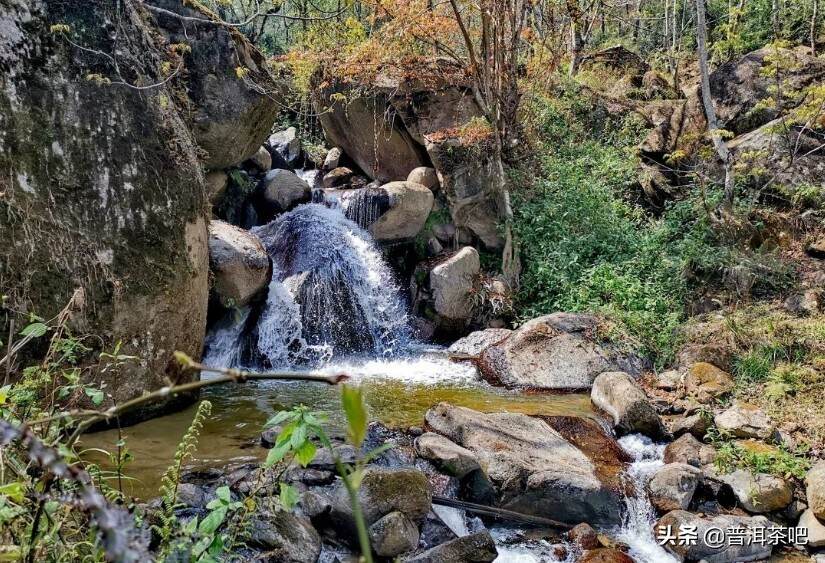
637, 528
331, 295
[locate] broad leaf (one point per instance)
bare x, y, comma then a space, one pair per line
35, 330
305, 453
355, 409
213, 521
288, 496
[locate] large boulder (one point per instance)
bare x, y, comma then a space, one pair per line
424, 175
448, 456
477, 341
533, 468
618, 394
743, 420
409, 205
558, 351
473, 548
672, 486
102, 188
815, 486
284, 536
709, 546
239, 263
288, 146
451, 282
759, 492
230, 114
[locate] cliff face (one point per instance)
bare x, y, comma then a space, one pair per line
101, 183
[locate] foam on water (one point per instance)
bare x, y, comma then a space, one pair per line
637, 528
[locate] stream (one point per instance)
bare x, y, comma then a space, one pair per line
334, 306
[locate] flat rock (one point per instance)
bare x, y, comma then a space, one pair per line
448, 456
474, 343
533, 468
557, 351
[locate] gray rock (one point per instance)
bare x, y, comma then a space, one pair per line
384, 490
618, 394
216, 183
451, 282
284, 189
425, 176
474, 343
475, 548
286, 537
332, 158
238, 262
434, 247
448, 456
532, 467
558, 351
816, 530
669, 380
191, 495
743, 420
672, 486
759, 492
724, 553
261, 160
314, 504
806, 303
696, 424
815, 485
287, 144
409, 206
689, 450
393, 534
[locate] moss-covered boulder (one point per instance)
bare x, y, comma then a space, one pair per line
100, 183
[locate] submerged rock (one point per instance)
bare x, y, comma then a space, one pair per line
532, 467
474, 548
617, 394
238, 262
558, 351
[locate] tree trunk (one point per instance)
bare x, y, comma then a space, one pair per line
707, 102
576, 46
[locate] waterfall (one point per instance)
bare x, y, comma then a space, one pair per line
331, 293
224, 343
637, 528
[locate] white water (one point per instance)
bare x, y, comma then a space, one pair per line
223, 343
637, 528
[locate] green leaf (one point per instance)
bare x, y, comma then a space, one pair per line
288, 496
355, 409
306, 453
13, 491
96, 395
276, 454
35, 330
223, 494
279, 418
299, 436
213, 521
4, 393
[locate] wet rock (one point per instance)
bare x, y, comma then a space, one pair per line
815, 484
261, 160
558, 351
337, 177
409, 207
286, 537
689, 450
281, 190
393, 535
216, 184
332, 159
425, 176
816, 529
288, 145
474, 343
619, 395
238, 262
308, 476
721, 553
532, 467
605, 555
745, 421
584, 536
474, 548
451, 282
706, 382
448, 456
672, 486
385, 490
759, 492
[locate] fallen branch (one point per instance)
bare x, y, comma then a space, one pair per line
500, 513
